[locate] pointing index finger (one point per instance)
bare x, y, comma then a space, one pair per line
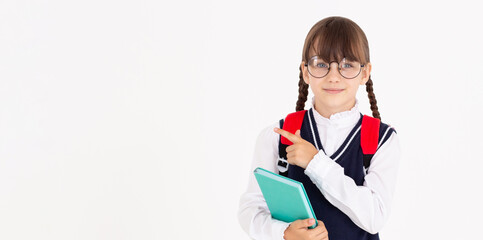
290, 136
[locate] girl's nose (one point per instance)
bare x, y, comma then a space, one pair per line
333, 75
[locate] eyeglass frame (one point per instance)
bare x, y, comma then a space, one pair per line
328, 70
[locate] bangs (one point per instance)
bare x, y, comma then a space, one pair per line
336, 39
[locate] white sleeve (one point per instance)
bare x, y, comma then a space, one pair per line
368, 206
253, 213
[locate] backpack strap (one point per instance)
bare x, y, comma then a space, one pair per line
282, 163
369, 138
292, 123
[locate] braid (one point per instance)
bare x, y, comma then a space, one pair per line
303, 92
372, 99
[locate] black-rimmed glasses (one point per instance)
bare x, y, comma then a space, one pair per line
318, 68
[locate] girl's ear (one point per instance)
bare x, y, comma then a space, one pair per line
305, 73
366, 73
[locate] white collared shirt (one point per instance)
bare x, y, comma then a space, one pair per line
368, 206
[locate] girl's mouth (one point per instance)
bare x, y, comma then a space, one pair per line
333, 90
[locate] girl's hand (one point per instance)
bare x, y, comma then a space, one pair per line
301, 152
299, 230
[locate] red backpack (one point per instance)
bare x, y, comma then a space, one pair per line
369, 135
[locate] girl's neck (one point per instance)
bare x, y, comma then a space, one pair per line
327, 111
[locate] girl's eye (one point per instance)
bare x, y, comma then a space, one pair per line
346, 65
321, 65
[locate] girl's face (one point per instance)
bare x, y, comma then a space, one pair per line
334, 93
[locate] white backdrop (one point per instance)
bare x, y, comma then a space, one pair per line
138, 119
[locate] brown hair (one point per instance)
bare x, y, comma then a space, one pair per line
337, 37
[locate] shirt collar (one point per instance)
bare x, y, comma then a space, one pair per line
342, 119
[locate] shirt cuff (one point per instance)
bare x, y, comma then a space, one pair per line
278, 229
319, 167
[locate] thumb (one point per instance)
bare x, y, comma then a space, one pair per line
297, 133
305, 223
310, 222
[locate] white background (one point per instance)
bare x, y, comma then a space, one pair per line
138, 119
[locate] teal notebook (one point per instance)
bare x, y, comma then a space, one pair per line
285, 197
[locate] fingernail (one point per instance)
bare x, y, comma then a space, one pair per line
311, 221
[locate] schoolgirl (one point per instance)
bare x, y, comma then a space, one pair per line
347, 161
